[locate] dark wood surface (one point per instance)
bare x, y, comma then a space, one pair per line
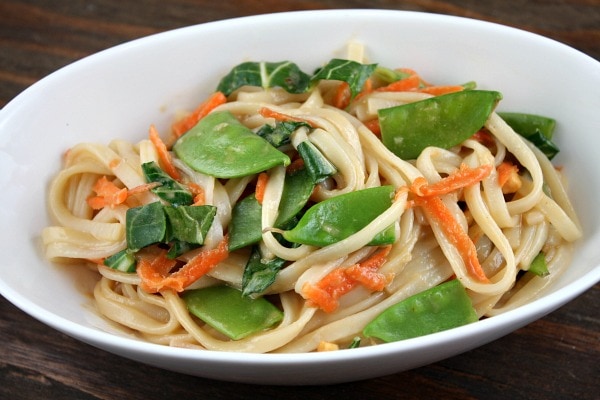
556, 357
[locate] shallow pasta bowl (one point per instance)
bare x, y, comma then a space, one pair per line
119, 92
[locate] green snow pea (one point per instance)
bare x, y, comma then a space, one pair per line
440, 308
297, 188
221, 146
226, 310
535, 128
441, 121
245, 227
337, 218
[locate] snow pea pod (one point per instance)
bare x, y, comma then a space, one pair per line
226, 310
246, 227
337, 218
441, 121
440, 308
535, 128
221, 146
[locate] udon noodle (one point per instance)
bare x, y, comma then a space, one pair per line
508, 227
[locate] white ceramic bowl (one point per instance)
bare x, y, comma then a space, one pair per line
119, 92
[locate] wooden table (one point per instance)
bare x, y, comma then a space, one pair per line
556, 357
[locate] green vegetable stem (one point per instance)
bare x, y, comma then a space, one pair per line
440, 308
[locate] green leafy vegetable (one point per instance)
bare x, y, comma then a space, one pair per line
152, 223
285, 74
337, 218
169, 190
259, 273
279, 134
145, 225
351, 72
440, 308
122, 261
442, 121
221, 146
229, 312
190, 224
317, 165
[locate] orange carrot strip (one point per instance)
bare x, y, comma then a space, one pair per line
185, 124
198, 266
440, 90
107, 194
155, 274
341, 99
142, 188
373, 126
484, 137
163, 154
463, 177
325, 293
437, 211
269, 113
198, 193
366, 271
295, 165
403, 85
261, 186
505, 170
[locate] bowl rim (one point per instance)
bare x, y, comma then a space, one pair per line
95, 336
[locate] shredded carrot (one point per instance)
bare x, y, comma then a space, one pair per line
463, 177
341, 99
154, 271
484, 137
185, 124
155, 274
373, 126
198, 193
409, 83
440, 90
107, 194
261, 186
436, 210
366, 271
325, 293
142, 188
505, 170
270, 113
295, 165
163, 154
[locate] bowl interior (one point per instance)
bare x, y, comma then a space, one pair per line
118, 93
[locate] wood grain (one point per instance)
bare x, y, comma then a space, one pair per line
553, 358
